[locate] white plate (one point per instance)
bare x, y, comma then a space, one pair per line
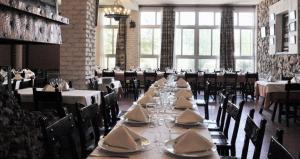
190, 124
142, 145
128, 121
169, 148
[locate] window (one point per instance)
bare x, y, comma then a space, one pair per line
197, 38
108, 39
150, 38
244, 30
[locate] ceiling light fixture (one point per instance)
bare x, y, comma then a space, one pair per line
117, 11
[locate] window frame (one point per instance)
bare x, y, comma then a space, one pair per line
197, 56
152, 27
114, 42
240, 28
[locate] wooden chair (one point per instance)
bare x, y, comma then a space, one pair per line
204, 103
93, 84
230, 83
166, 74
149, 78
25, 84
276, 149
40, 82
253, 133
288, 102
106, 73
129, 77
88, 119
192, 78
286, 78
212, 79
220, 138
218, 124
48, 100
248, 86
110, 110
61, 139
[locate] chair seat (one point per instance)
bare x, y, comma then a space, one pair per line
228, 157
219, 139
200, 102
212, 125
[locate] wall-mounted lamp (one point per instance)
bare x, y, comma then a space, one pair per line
263, 32
132, 24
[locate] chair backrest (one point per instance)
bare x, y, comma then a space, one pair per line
286, 78
128, 75
192, 78
230, 82
108, 73
276, 149
93, 84
251, 78
61, 139
48, 100
88, 119
40, 82
212, 79
223, 101
290, 88
255, 134
149, 78
166, 74
25, 84
233, 112
110, 109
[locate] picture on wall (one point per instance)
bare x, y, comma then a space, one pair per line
272, 30
292, 15
292, 26
292, 39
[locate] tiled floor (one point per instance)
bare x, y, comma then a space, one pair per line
291, 139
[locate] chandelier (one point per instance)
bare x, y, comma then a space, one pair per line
117, 11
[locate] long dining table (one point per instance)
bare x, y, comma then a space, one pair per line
157, 132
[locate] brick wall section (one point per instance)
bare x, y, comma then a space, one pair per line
133, 41
77, 53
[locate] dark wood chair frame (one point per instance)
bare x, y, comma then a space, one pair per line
106, 73
192, 78
88, 119
248, 86
61, 139
221, 138
149, 78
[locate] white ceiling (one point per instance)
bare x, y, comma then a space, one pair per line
200, 2
183, 2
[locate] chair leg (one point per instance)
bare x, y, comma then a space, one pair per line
280, 113
287, 114
274, 111
295, 114
262, 106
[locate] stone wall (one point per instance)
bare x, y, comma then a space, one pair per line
77, 53
266, 63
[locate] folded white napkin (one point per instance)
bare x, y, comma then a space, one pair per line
294, 80
65, 86
29, 73
183, 103
181, 83
152, 91
138, 114
3, 73
49, 88
18, 77
189, 116
145, 99
190, 142
123, 138
184, 93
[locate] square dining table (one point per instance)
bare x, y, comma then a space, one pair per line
72, 96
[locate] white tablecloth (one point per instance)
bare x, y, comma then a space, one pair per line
83, 97
102, 86
156, 149
278, 86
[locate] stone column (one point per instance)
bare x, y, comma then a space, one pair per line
77, 52
17, 56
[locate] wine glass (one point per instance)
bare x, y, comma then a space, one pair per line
169, 123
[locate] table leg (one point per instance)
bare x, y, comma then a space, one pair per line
262, 106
